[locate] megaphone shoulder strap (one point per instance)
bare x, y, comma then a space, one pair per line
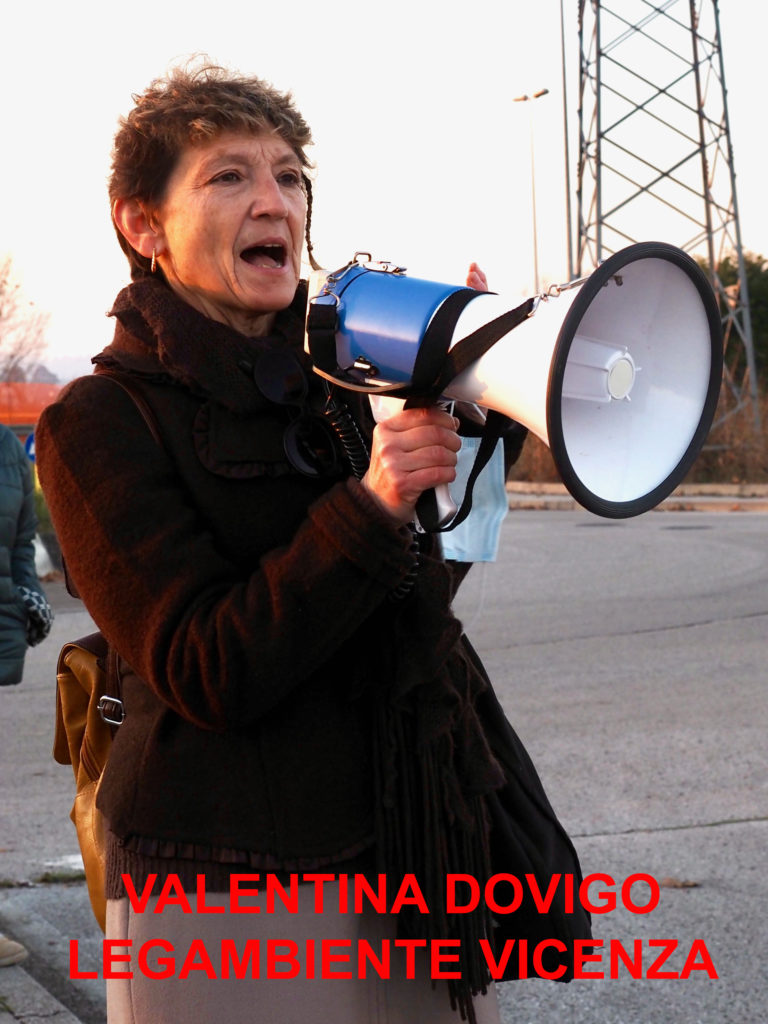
465, 352
468, 350
435, 366
426, 507
433, 348
322, 322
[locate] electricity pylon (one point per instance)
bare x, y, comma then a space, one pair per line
655, 155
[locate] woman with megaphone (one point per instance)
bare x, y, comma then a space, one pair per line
299, 701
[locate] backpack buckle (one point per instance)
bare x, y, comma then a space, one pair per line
111, 710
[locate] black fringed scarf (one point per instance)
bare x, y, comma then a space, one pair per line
433, 768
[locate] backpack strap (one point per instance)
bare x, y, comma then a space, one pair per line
148, 415
109, 703
133, 392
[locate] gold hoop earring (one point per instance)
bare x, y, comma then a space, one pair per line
153, 264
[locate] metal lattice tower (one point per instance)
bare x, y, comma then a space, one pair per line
655, 156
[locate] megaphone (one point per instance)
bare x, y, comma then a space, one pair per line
618, 374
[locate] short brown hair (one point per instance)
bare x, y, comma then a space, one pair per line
191, 104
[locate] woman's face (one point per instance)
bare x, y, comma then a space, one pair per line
231, 228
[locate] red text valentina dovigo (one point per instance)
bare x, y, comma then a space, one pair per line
278, 958
353, 894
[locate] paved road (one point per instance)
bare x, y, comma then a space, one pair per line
630, 657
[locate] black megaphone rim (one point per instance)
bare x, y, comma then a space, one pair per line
591, 287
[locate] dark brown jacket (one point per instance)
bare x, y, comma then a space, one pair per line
249, 603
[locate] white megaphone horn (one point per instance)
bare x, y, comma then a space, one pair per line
618, 374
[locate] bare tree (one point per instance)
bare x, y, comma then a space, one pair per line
22, 328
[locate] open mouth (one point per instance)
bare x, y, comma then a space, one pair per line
271, 255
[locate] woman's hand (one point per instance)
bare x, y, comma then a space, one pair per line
411, 452
476, 278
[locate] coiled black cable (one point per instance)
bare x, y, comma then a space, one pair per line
348, 433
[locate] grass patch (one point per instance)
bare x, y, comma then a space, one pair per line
63, 877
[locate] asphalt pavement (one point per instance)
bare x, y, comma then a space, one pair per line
630, 657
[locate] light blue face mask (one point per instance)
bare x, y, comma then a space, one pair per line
477, 538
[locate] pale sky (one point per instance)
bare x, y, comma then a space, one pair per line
421, 155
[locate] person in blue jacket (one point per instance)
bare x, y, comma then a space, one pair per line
25, 616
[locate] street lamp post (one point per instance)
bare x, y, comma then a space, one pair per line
525, 99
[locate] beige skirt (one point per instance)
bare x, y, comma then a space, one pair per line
272, 967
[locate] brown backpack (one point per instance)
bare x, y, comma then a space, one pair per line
87, 713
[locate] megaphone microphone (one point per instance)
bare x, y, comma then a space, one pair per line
618, 374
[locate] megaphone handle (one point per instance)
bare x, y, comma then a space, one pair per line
495, 425
435, 508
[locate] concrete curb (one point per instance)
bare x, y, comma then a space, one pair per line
523, 494
23, 999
